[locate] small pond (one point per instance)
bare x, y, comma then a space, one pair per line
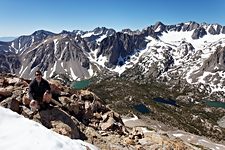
165, 101
78, 85
142, 108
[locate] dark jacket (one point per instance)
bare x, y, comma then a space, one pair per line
36, 91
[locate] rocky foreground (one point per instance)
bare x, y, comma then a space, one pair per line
83, 115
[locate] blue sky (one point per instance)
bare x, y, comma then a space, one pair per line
23, 17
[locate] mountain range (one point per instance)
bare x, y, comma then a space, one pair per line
190, 53
7, 38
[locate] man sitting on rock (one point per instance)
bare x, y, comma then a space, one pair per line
39, 93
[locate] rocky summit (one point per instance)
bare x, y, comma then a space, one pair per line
81, 114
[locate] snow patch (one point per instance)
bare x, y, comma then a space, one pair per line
65, 48
31, 135
130, 119
178, 135
55, 45
53, 69
87, 34
145, 130
21, 69
72, 74
101, 38
91, 71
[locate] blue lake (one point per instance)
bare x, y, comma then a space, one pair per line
165, 101
142, 108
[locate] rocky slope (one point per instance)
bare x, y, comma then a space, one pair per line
83, 115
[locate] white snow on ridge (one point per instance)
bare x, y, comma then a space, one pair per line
101, 60
91, 71
21, 69
53, 69
72, 74
149, 55
87, 34
158, 29
19, 44
174, 36
155, 50
201, 79
64, 49
45, 74
207, 44
13, 46
128, 64
101, 38
32, 39
55, 45
19, 133
214, 87
134, 59
178, 134
62, 64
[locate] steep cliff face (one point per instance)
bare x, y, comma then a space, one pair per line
117, 47
212, 70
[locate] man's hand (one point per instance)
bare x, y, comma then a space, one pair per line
47, 96
34, 105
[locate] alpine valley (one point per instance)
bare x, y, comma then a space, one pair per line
167, 75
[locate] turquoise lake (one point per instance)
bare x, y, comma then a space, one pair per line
215, 104
78, 85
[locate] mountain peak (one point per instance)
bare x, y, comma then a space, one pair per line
159, 23
103, 30
42, 32
159, 26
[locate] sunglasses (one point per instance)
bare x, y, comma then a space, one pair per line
37, 74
